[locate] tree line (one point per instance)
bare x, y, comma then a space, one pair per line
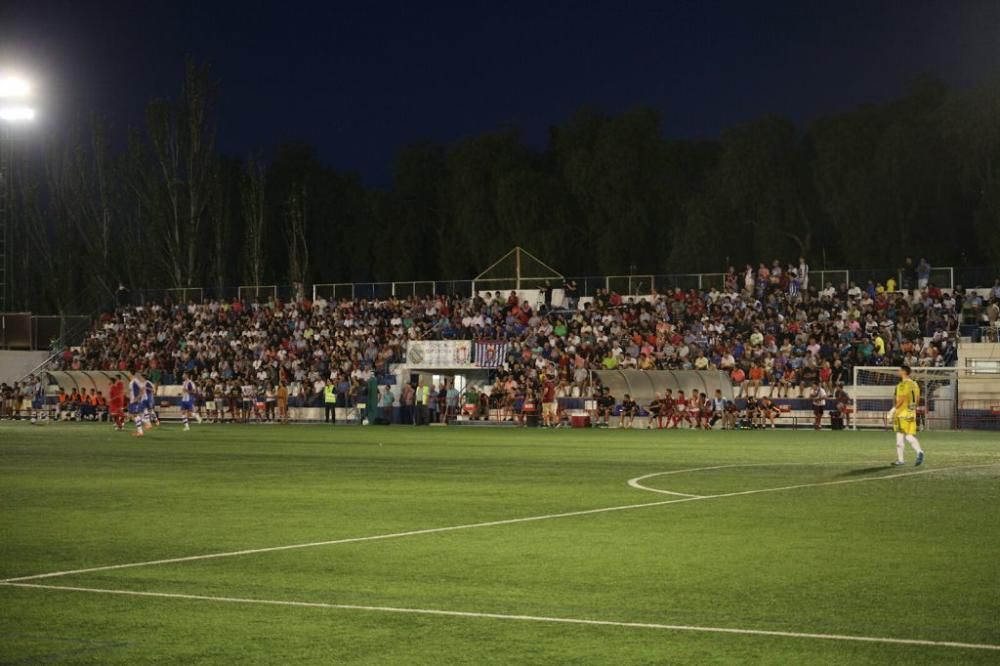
608, 194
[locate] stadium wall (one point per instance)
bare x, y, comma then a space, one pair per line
979, 386
16, 364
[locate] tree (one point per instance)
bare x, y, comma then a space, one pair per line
87, 190
252, 189
971, 127
176, 171
296, 234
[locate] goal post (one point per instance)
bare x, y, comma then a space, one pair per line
257, 292
185, 295
873, 395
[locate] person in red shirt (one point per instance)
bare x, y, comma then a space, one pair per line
681, 411
667, 407
739, 379
825, 373
756, 378
549, 416
116, 403
706, 411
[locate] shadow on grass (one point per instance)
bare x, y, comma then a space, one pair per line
866, 470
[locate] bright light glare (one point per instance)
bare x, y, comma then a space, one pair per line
14, 114
12, 86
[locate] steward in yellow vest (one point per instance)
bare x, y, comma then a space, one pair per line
330, 402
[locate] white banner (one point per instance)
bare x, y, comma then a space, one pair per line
439, 353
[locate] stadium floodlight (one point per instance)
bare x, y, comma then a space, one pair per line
17, 114
14, 87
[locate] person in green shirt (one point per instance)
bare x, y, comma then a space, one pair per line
471, 401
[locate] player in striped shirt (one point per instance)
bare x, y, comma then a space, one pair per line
149, 417
188, 391
136, 400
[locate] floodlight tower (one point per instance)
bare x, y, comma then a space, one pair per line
16, 109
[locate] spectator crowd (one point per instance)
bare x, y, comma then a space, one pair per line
767, 327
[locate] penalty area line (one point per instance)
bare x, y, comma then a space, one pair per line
520, 618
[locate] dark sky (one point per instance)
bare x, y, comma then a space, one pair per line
361, 79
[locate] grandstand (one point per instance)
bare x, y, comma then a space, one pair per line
756, 336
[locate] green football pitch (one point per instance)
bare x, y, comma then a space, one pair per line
307, 544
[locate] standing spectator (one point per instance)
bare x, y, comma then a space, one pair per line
441, 404
470, 402
729, 282
826, 376
330, 402
817, 395
423, 398
923, 273
406, 397
270, 403
569, 295
282, 395
739, 379
549, 415
843, 404
803, 274
386, 404
452, 398
547, 295
838, 374
908, 275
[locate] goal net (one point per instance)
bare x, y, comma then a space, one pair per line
874, 389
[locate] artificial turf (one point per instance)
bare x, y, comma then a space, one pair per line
850, 552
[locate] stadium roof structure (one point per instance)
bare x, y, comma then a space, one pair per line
516, 270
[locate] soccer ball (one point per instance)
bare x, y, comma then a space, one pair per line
34, 420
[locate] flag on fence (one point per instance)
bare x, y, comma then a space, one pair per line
491, 353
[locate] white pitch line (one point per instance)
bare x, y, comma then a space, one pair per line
634, 483
491, 523
333, 542
522, 618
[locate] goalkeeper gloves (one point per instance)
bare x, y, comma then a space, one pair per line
891, 413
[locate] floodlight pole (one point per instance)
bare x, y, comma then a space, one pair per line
517, 259
15, 108
6, 193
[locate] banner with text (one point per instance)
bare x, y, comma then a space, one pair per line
439, 353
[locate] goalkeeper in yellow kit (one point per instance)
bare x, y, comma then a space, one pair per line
904, 416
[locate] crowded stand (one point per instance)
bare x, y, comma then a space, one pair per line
774, 334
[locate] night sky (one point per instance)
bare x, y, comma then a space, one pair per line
359, 80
